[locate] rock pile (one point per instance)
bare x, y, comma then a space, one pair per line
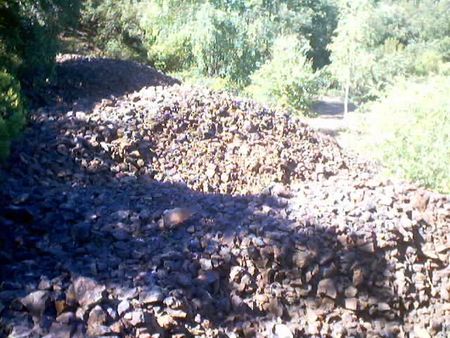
213, 142
208, 141
183, 212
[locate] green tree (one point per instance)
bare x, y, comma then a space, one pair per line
348, 48
287, 79
28, 45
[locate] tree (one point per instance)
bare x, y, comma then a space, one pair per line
348, 48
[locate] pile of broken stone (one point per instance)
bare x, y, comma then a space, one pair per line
179, 211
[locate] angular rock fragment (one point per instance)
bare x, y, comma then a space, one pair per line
152, 296
173, 218
326, 287
36, 303
86, 291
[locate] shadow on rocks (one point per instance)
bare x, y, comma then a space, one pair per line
86, 80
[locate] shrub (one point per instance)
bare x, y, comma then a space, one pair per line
28, 45
224, 40
29, 36
12, 113
287, 79
409, 131
114, 27
376, 42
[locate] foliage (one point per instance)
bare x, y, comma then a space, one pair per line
378, 42
409, 131
28, 36
28, 44
287, 79
229, 40
12, 112
114, 27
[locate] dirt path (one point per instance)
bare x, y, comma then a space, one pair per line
330, 116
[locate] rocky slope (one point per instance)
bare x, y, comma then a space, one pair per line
177, 211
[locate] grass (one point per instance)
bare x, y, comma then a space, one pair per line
408, 131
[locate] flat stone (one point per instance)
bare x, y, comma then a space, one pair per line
351, 304
282, 331
36, 303
152, 296
123, 306
87, 291
175, 217
326, 287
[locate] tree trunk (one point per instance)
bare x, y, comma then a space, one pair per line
347, 90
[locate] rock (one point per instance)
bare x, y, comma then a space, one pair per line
21, 328
123, 306
36, 303
66, 318
80, 232
327, 288
177, 314
173, 218
282, 331
301, 259
44, 284
97, 316
116, 327
351, 304
152, 296
121, 234
166, 321
61, 306
429, 251
358, 276
19, 214
275, 308
96, 322
135, 318
420, 332
80, 115
87, 292
60, 330
206, 264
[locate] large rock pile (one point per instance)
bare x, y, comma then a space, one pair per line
209, 141
184, 212
216, 143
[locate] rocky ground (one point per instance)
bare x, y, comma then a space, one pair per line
135, 210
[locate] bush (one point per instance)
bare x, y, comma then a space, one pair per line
29, 36
378, 42
12, 113
28, 44
409, 131
114, 27
223, 40
287, 79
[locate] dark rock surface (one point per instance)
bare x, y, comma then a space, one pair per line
177, 211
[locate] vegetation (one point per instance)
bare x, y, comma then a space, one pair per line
380, 42
232, 42
409, 131
28, 45
12, 113
287, 78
